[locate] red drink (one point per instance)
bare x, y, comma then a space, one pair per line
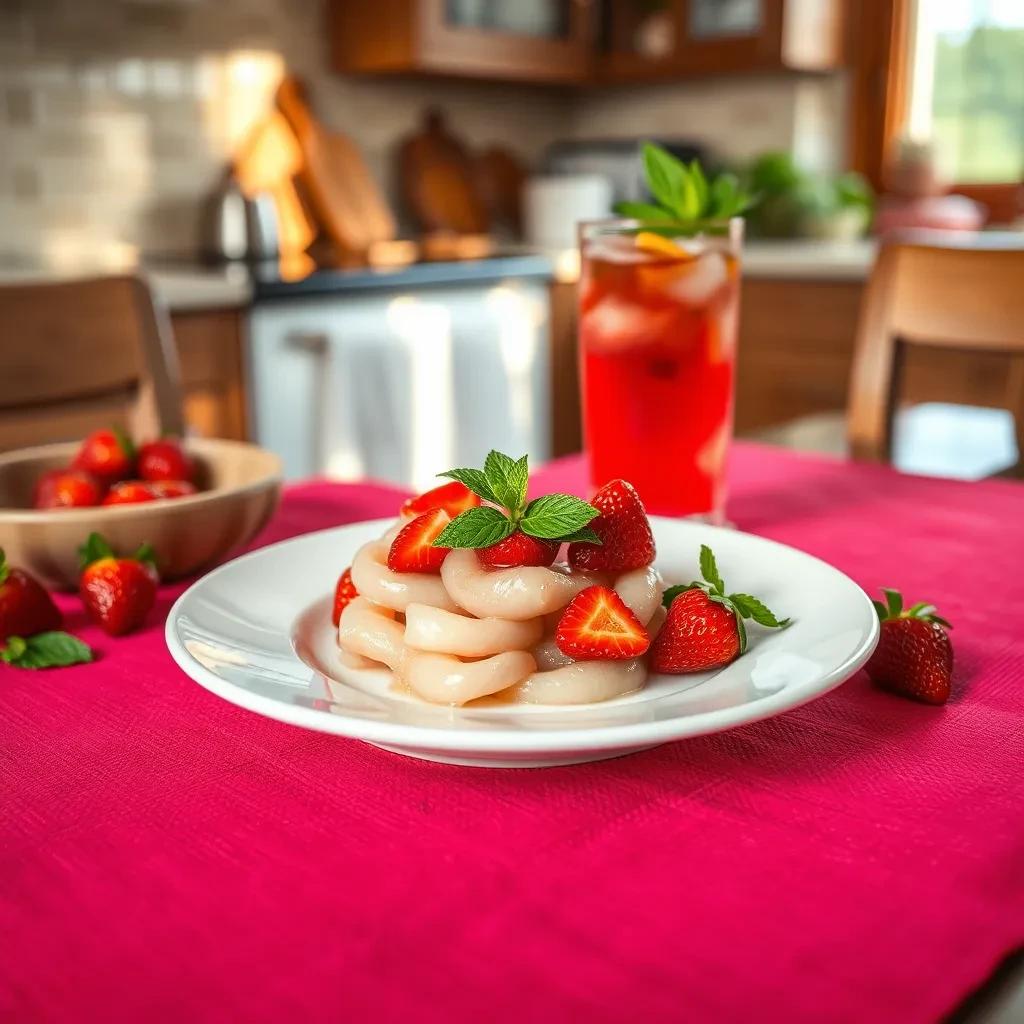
658, 322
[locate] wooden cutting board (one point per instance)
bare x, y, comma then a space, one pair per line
500, 179
267, 162
337, 183
438, 182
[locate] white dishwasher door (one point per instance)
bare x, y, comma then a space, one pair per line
402, 386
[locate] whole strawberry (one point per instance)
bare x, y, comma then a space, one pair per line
624, 531
173, 488
704, 627
108, 455
516, 549
165, 460
130, 492
25, 607
914, 657
118, 593
67, 488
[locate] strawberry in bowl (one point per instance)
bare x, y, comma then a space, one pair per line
47, 509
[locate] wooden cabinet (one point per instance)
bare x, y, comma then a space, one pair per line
544, 41
209, 344
574, 42
647, 40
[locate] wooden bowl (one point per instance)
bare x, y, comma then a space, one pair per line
240, 483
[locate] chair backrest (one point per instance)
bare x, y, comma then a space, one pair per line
78, 355
966, 297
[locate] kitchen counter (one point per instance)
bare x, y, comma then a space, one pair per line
182, 288
809, 259
269, 284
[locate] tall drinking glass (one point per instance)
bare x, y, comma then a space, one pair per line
658, 320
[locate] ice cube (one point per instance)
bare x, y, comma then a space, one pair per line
615, 324
615, 249
701, 279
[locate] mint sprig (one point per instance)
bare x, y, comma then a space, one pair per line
45, 650
503, 482
743, 606
685, 202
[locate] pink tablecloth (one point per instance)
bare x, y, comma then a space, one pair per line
165, 856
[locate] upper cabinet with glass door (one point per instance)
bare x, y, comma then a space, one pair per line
666, 39
526, 40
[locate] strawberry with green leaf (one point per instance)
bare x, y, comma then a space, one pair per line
108, 455
29, 621
704, 628
25, 606
914, 657
118, 593
685, 202
510, 531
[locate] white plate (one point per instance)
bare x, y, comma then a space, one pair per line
257, 632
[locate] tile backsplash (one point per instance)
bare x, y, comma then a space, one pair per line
117, 117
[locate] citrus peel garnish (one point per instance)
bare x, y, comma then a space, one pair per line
649, 241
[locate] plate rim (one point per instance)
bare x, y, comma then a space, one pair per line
508, 739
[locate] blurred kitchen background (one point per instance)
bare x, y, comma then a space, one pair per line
360, 215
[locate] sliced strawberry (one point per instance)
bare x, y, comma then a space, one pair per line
412, 550
598, 625
518, 549
698, 635
344, 593
626, 538
453, 498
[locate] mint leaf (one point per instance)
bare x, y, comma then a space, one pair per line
709, 569
475, 528
93, 550
642, 211
45, 650
751, 608
665, 177
700, 186
475, 480
689, 201
584, 535
556, 515
507, 478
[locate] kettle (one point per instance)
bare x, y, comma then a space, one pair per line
241, 227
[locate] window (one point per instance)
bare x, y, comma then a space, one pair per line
965, 92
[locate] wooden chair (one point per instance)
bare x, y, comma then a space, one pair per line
967, 296
78, 355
